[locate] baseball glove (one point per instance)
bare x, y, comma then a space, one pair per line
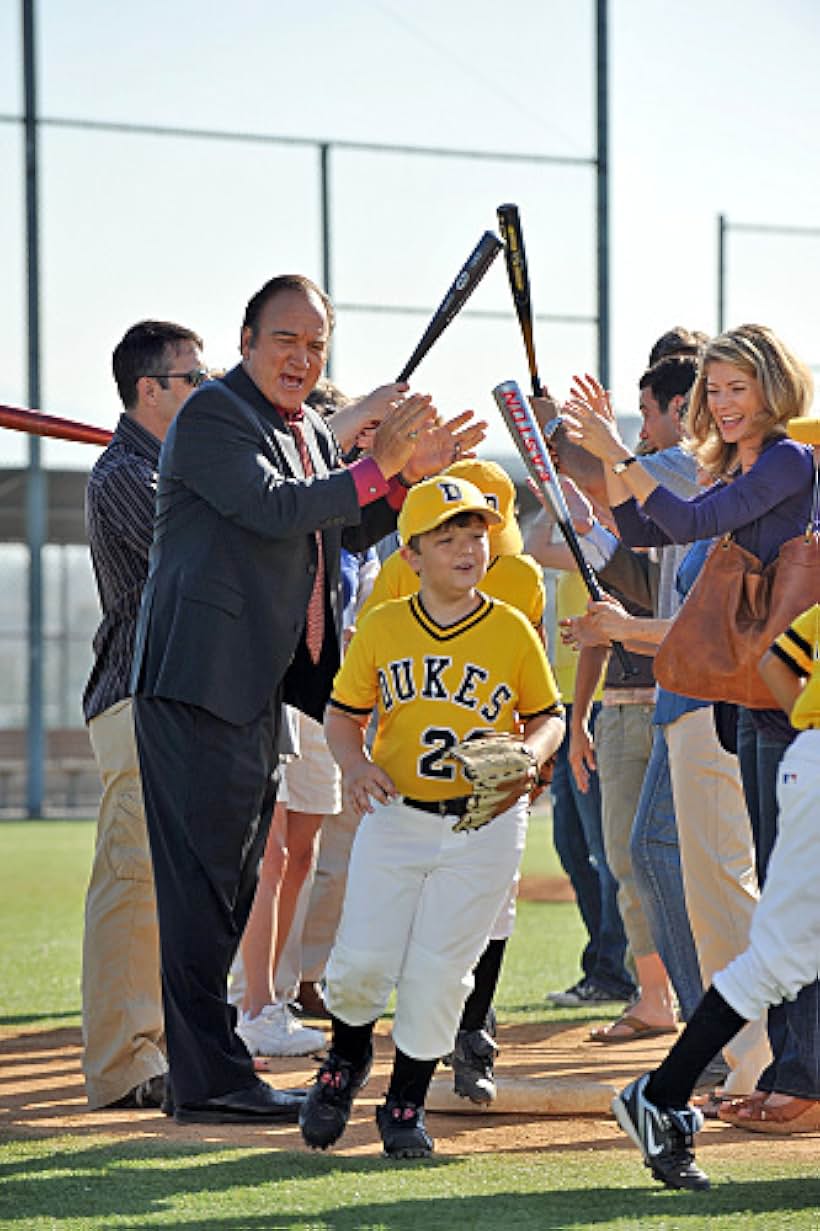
499, 768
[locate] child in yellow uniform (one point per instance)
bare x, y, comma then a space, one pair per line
514, 578
421, 899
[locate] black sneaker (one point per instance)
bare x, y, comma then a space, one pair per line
326, 1110
663, 1137
403, 1131
585, 992
473, 1057
148, 1094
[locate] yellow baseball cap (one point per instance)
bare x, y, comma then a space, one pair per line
498, 487
805, 428
436, 500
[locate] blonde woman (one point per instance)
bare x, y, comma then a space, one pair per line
750, 386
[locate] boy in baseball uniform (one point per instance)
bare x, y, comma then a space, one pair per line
515, 578
421, 897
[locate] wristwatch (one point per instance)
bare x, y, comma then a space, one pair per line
620, 467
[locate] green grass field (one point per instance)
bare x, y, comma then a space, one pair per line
95, 1183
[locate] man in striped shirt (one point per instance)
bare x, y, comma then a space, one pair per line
156, 366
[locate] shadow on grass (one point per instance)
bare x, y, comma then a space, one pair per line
138, 1181
26, 1019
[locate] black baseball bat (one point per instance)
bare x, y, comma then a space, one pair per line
523, 428
509, 224
467, 279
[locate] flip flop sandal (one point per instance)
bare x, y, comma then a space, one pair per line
735, 1111
799, 1115
636, 1029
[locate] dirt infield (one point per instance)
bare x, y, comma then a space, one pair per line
41, 1095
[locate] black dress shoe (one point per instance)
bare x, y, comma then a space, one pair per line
258, 1104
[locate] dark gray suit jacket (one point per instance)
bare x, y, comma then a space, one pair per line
234, 555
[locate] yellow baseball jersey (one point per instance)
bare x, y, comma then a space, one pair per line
517, 580
571, 597
435, 685
799, 648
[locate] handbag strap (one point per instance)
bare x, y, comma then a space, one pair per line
813, 527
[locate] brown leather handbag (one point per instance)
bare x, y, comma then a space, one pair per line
734, 612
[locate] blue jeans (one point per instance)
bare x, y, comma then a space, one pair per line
759, 754
794, 1025
656, 864
576, 824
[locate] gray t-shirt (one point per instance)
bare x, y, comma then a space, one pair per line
676, 470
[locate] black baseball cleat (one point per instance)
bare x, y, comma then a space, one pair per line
326, 1110
664, 1137
472, 1061
403, 1131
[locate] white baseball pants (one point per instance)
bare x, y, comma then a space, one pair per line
419, 907
784, 939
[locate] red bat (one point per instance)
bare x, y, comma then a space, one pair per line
38, 424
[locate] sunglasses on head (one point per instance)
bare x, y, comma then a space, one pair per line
197, 376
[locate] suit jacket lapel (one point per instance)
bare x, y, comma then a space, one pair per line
275, 427
312, 439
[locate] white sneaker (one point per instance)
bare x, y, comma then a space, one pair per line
237, 983
276, 1032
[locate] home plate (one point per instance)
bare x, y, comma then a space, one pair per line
532, 1096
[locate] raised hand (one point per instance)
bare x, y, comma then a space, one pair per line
441, 444
396, 437
588, 389
590, 421
356, 423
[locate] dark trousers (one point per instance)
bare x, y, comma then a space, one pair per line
209, 792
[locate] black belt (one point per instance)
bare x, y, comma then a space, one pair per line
443, 807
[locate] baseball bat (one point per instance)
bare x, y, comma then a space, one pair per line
35, 423
523, 428
515, 256
467, 279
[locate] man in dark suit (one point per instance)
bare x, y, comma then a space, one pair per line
241, 612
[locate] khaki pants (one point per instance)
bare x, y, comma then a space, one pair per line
123, 1033
718, 867
623, 742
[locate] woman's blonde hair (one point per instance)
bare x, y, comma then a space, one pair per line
785, 384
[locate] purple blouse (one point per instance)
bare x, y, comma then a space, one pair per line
763, 508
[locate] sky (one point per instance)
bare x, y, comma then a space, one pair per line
714, 107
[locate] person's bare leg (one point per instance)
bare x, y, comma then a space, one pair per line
655, 1005
302, 828
260, 938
